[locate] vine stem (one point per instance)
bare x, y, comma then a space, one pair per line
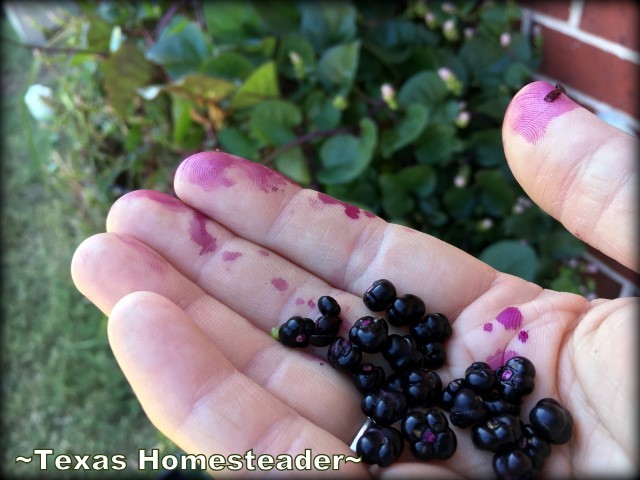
305, 139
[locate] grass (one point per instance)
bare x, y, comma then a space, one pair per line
61, 386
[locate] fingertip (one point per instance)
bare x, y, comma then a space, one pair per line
530, 111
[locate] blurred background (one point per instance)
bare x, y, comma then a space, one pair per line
396, 107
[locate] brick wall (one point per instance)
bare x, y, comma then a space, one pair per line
592, 47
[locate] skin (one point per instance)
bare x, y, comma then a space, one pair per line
190, 328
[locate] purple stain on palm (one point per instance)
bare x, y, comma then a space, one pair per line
280, 284
500, 357
510, 318
311, 304
299, 301
488, 327
523, 336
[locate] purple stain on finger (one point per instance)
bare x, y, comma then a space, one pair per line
280, 284
149, 257
311, 304
510, 318
230, 256
500, 357
200, 235
529, 114
350, 211
523, 336
488, 327
216, 170
264, 253
158, 197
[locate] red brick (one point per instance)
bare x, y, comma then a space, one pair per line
616, 20
593, 71
559, 9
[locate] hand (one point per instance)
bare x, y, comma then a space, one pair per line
193, 287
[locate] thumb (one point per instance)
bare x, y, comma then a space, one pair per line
576, 167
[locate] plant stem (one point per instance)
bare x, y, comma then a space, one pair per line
305, 139
165, 19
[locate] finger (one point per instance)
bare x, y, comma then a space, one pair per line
108, 267
193, 394
578, 168
341, 244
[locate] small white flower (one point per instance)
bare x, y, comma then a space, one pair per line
116, 39
430, 19
592, 268
486, 224
387, 92
449, 25
469, 32
445, 73
459, 181
38, 99
518, 209
295, 58
505, 39
463, 118
573, 262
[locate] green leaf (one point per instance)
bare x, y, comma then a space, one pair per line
338, 65
396, 201
202, 88
459, 202
236, 142
184, 135
560, 245
272, 121
513, 257
516, 75
229, 65
487, 146
279, 15
395, 40
320, 112
327, 23
293, 164
479, 53
405, 131
399, 189
496, 195
124, 72
261, 85
436, 144
181, 48
231, 21
344, 157
298, 44
425, 88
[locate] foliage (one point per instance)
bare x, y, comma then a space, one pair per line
393, 106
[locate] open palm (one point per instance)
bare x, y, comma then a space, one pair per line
194, 285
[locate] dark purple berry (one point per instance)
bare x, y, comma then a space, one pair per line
467, 409
295, 332
429, 434
450, 391
421, 387
380, 295
328, 306
370, 334
552, 421
368, 377
321, 340
513, 465
344, 355
498, 405
480, 377
402, 353
435, 355
405, 310
497, 434
385, 407
536, 447
394, 382
515, 378
328, 325
380, 445
435, 327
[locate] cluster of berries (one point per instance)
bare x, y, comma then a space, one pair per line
412, 396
